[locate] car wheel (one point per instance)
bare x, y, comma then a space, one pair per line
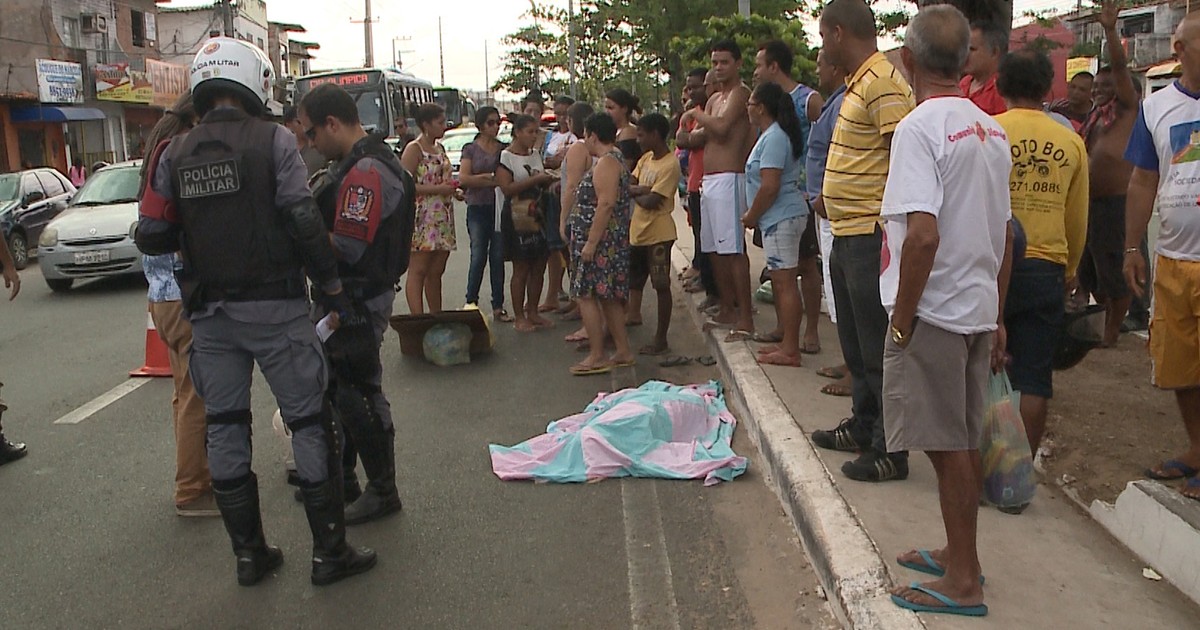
58, 286
19, 249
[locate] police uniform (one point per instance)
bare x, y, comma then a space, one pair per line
248, 228
367, 203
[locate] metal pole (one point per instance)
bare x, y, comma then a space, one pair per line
441, 52
368, 43
487, 81
571, 47
744, 8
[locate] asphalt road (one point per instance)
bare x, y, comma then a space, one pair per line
91, 539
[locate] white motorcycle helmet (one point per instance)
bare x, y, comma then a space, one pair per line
232, 66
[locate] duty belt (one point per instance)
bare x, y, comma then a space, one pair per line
280, 290
356, 289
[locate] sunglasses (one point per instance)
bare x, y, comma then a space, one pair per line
492, 123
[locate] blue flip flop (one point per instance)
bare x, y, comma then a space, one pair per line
931, 566
1175, 465
951, 607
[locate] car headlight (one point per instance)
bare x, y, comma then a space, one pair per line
49, 237
133, 230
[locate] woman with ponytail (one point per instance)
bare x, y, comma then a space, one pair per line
777, 209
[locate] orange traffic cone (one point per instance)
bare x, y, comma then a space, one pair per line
157, 363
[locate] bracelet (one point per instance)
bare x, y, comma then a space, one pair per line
1133, 250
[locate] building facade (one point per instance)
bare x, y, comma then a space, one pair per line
85, 81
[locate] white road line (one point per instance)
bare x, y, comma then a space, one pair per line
651, 585
102, 401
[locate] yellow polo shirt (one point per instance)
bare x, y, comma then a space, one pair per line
877, 98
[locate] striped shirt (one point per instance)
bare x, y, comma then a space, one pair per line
877, 98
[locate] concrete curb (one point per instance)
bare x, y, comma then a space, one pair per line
847, 561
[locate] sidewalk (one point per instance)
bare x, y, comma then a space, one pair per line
1050, 567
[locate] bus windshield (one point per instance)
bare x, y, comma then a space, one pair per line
371, 110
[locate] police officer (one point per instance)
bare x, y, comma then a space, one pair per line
242, 215
368, 202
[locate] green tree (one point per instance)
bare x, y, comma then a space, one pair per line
749, 33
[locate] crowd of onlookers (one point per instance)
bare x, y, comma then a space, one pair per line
950, 216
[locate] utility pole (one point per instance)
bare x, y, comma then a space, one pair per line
397, 58
441, 52
487, 81
571, 47
744, 8
227, 17
368, 41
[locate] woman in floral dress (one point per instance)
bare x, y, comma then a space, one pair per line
599, 242
433, 234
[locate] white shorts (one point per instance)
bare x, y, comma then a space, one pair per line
722, 204
781, 243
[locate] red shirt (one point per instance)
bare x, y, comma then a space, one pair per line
695, 165
986, 98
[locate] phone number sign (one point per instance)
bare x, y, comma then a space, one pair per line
59, 81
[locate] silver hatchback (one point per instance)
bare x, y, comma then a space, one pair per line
93, 237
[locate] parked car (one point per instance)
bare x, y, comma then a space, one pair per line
93, 237
28, 201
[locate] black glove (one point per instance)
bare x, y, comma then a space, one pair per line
338, 303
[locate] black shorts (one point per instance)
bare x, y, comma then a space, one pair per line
521, 246
650, 262
1033, 319
553, 209
809, 247
1101, 270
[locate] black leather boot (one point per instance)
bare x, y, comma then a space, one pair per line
238, 502
333, 559
380, 497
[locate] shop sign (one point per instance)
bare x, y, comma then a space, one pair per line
59, 81
117, 82
1075, 65
169, 81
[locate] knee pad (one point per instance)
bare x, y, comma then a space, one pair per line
238, 416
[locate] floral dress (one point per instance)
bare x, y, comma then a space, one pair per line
607, 276
434, 227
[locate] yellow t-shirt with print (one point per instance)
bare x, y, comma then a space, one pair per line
649, 227
877, 98
1048, 186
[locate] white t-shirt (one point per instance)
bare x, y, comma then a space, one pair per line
522, 167
1166, 139
950, 160
558, 141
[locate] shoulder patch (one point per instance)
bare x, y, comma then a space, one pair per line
358, 207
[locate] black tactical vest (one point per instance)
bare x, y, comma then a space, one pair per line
235, 243
386, 258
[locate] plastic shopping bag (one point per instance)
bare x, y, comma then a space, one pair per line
447, 344
1008, 479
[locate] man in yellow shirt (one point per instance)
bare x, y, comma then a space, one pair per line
876, 98
652, 230
1048, 187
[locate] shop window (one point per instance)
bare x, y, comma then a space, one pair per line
137, 23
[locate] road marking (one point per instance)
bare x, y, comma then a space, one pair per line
651, 585
102, 401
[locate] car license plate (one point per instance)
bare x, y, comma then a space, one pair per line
91, 258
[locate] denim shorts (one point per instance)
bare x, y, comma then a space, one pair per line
781, 243
1033, 318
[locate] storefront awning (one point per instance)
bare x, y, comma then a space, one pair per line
1169, 69
49, 113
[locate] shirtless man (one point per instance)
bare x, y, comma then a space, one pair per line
1106, 133
723, 129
